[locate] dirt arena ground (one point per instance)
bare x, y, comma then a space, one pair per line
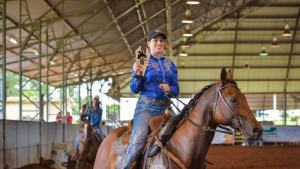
238, 157
265, 157
46, 165
35, 166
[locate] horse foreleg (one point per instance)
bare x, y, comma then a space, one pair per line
83, 164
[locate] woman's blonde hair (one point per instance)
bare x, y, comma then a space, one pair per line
168, 50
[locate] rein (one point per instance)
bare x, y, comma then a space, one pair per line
87, 138
228, 131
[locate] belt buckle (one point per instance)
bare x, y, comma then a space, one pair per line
162, 102
153, 101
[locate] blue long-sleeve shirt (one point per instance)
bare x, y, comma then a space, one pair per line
95, 115
162, 69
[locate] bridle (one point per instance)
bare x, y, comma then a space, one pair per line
236, 119
86, 137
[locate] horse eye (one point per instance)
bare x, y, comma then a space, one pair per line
233, 100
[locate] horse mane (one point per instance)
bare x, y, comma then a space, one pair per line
175, 121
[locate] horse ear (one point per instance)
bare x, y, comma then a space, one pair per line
229, 75
223, 76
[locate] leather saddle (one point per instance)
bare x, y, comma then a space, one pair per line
95, 133
121, 145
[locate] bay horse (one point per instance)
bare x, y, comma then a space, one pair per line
188, 135
88, 145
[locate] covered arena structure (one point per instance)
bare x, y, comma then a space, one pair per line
86, 44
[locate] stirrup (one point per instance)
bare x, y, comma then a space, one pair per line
133, 165
74, 157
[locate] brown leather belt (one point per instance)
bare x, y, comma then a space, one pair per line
161, 102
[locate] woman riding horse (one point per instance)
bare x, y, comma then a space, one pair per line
94, 113
189, 135
152, 101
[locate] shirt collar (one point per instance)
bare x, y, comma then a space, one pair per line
154, 58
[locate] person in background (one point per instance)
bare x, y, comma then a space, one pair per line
161, 74
94, 112
259, 141
69, 118
59, 118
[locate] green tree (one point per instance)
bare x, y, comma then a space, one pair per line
113, 112
12, 84
13, 88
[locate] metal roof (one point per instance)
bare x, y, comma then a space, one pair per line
96, 39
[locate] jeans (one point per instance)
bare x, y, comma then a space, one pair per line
99, 133
144, 111
259, 142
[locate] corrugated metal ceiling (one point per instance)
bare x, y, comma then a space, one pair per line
98, 38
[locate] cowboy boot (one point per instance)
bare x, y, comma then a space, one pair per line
74, 157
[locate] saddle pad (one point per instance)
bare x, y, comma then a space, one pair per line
119, 147
130, 125
154, 122
122, 142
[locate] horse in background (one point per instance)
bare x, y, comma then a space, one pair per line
188, 135
88, 145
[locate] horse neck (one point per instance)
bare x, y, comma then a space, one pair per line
189, 143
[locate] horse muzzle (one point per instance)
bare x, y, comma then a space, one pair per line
252, 134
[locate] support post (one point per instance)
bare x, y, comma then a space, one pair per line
40, 88
169, 20
3, 82
47, 80
79, 75
64, 92
20, 62
64, 76
91, 83
284, 107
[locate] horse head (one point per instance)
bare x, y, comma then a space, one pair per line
86, 128
231, 108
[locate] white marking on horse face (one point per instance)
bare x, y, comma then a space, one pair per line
85, 126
